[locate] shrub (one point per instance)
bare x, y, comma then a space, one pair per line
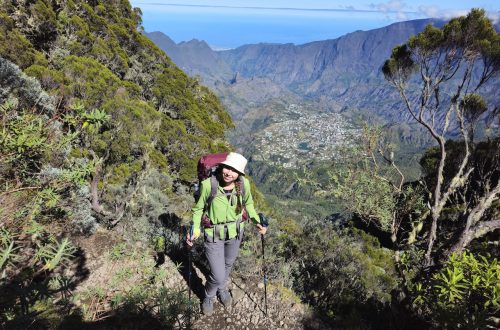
464, 293
27, 90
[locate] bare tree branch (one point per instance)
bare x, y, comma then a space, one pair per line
473, 225
19, 189
477, 231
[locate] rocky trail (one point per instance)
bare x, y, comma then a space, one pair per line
248, 309
115, 274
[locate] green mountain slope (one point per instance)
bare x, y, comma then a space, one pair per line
95, 53
99, 130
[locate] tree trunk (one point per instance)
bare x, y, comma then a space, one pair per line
432, 239
477, 231
473, 227
94, 192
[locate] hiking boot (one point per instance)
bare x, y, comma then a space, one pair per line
225, 298
207, 307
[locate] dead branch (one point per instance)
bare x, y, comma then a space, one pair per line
474, 227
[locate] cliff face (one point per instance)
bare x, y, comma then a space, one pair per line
360, 53
340, 73
194, 57
344, 71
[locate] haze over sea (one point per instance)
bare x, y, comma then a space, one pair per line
225, 24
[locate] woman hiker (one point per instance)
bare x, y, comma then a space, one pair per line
223, 221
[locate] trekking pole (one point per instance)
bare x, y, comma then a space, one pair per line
190, 253
264, 223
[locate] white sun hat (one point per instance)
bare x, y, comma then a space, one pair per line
236, 161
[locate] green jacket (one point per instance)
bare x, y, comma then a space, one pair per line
222, 210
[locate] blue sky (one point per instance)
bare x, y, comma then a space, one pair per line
228, 24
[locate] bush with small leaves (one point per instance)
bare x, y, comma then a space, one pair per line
28, 90
82, 218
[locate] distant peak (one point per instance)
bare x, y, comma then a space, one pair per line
195, 42
160, 38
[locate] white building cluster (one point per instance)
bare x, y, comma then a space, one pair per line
301, 136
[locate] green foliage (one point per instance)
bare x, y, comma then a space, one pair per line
465, 293
475, 32
107, 45
369, 196
95, 119
159, 244
79, 172
23, 143
30, 259
119, 251
23, 139
50, 79
120, 112
35, 172
473, 35
368, 182
53, 255
427, 41
7, 249
400, 64
474, 106
342, 271
14, 46
90, 80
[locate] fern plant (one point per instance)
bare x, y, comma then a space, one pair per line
465, 292
7, 251
56, 253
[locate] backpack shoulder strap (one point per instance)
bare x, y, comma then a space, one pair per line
242, 190
242, 186
213, 191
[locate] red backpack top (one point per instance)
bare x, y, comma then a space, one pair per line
208, 164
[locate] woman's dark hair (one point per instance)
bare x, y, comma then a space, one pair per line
239, 207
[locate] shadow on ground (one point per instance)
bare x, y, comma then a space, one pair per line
370, 315
22, 295
124, 318
177, 251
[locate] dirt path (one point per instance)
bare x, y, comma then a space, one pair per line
118, 269
248, 309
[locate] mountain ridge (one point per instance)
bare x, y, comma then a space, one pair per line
343, 72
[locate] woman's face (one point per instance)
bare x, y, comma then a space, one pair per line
229, 174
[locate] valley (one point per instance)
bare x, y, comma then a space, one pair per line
302, 103
298, 107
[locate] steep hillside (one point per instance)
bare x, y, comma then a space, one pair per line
100, 133
96, 54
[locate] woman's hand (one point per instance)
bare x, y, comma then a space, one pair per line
189, 240
262, 230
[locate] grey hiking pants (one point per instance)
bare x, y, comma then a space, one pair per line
221, 255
